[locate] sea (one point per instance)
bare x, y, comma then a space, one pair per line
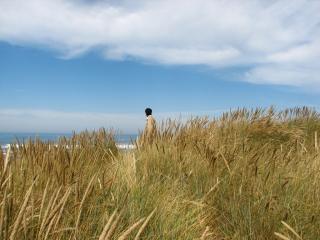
124, 141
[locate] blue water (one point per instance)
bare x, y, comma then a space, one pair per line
126, 138
6, 138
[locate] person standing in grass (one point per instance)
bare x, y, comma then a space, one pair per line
149, 132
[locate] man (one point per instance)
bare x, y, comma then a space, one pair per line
150, 128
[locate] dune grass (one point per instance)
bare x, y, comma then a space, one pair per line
250, 174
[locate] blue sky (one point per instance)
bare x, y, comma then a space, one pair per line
58, 75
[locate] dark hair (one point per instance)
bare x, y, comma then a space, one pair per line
148, 111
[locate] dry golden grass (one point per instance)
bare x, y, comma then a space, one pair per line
250, 174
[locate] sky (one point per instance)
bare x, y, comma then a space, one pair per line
77, 64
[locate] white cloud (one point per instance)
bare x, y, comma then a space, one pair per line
279, 38
44, 120
275, 74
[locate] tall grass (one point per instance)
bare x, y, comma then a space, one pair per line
250, 174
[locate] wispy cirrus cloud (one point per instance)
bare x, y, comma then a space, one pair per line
278, 40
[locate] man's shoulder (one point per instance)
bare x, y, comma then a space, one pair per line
151, 119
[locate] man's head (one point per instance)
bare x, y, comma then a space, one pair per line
148, 111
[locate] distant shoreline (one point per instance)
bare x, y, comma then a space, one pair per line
123, 141
120, 146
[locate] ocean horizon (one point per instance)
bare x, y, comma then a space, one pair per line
7, 138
